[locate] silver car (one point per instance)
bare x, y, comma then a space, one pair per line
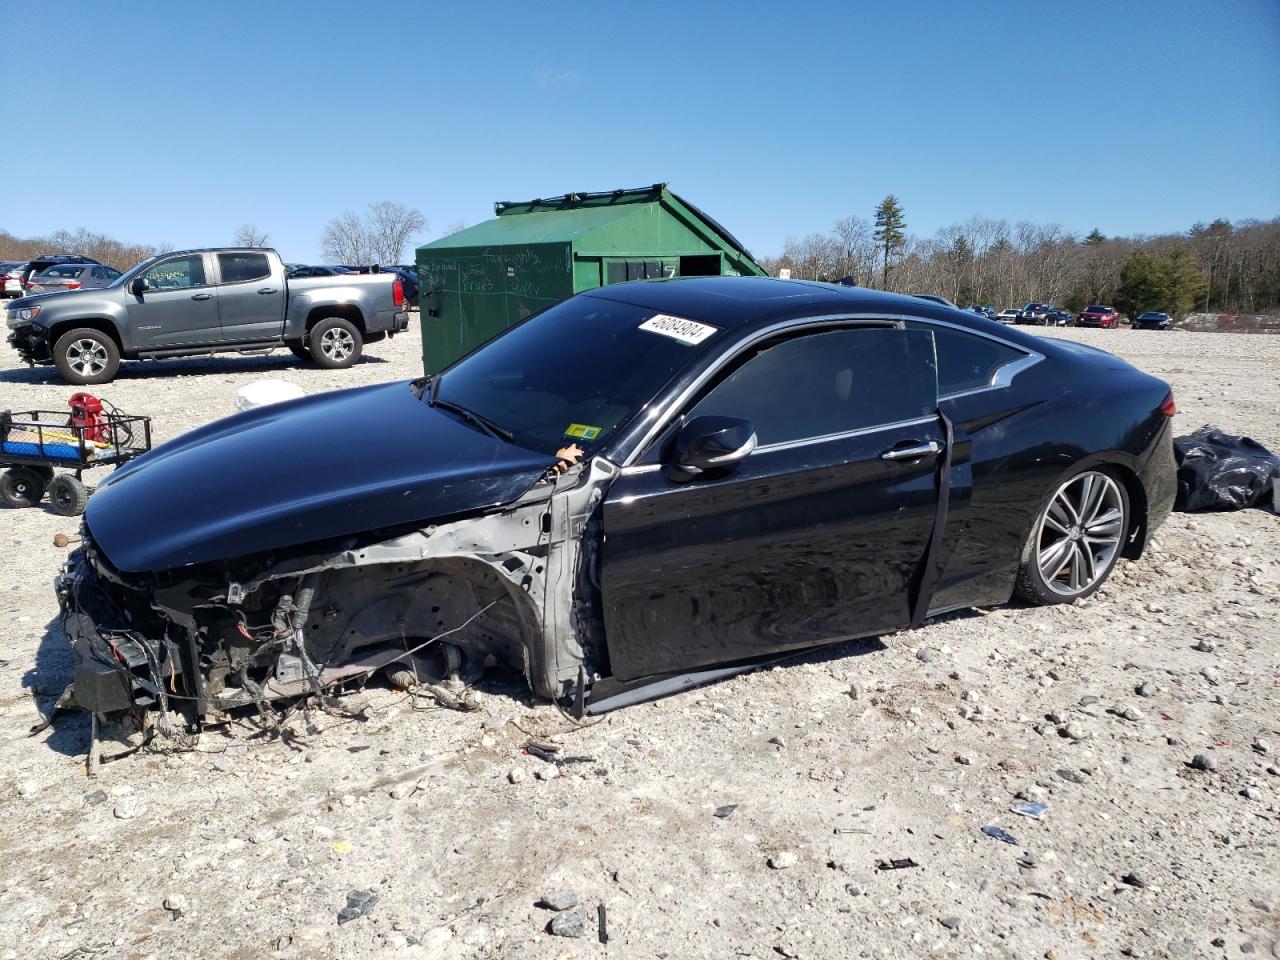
11, 277
73, 276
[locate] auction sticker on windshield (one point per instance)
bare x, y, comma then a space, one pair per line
582, 431
677, 328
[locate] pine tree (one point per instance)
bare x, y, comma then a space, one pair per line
1094, 238
890, 230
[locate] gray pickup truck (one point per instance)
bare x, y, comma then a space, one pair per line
197, 302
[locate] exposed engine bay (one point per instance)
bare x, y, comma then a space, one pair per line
515, 586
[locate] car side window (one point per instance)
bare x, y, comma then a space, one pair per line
243, 267
966, 361
177, 273
829, 383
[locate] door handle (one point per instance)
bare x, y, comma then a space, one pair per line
203, 296
267, 290
912, 453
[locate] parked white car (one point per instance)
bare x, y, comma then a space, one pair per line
1009, 316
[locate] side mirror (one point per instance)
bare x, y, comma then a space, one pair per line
712, 443
138, 286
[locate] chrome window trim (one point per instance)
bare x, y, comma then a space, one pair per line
845, 434
662, 418
1002, 377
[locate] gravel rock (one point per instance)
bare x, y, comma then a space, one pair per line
966, 758
559, 900
951, 923
783, 860
1262, 745
1133, 880
570, 923
28, 788
924, 655
1146, 689
95, 798
222, 763
1076, 731
1203, 761
128, 807
516, 775
359, 904
548, 771
1251, 793
1131, 713
1206, 645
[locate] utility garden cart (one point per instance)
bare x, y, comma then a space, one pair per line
34, 444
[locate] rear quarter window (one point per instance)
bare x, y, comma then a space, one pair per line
967, 361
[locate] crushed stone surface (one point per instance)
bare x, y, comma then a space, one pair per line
401, 834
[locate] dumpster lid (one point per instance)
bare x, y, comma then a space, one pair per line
650, 194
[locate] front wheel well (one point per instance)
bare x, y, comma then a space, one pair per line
348, 311
100, 324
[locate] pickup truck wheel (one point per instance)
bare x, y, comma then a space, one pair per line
21, 487
299, 351
68, 496
335, 343
86, 356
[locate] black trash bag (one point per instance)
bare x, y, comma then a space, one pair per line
1217, 471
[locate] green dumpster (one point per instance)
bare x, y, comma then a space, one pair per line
479, 281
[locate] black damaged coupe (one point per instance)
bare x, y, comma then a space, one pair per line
644, 487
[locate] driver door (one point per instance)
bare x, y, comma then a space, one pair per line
815, 537
179, 306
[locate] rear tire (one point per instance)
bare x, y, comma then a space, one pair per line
68, 496
86, 356
336, 343
21, 487
1076, 539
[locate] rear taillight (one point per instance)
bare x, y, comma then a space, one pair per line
74, 286
397, 292
1169, 408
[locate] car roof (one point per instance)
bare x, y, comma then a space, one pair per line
753, 302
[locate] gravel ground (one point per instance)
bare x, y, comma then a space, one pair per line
745, 819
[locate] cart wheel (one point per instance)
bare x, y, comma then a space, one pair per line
68, 496
21, 487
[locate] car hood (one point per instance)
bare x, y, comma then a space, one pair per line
32, 299
291, 473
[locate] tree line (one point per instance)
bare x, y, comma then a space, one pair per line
81, 242
1221, 267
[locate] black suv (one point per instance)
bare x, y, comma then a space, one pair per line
46, 260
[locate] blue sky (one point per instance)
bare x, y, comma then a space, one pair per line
183, 121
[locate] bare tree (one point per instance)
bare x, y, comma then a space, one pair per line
250, 236
345, 240
378, 237
456, 227
390, 225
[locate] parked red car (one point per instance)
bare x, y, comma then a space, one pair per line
1095, 316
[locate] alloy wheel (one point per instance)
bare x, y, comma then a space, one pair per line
87, 357
337, 344
1080, 533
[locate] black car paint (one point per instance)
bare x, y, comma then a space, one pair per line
311, 469
712, 569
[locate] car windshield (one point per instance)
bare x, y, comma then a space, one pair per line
64, 272
130, 274
574, 373
1152, 316
1096, 309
